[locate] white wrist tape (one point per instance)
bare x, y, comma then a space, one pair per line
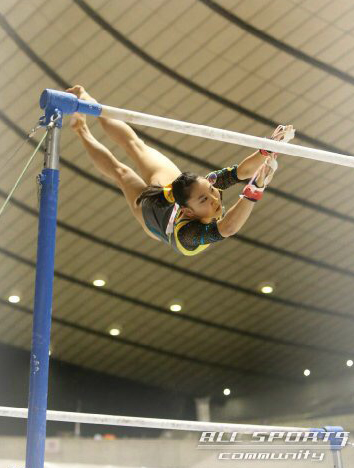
273, 164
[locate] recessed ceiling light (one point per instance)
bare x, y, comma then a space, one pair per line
349, 363
267, 289
175, 307
114, 331
14, 299
99, 283
227, 391
307, 372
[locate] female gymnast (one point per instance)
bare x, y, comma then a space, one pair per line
180, 208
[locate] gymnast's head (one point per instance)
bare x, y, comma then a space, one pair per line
196, 195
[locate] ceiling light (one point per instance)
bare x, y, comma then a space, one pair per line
307, 372
266, 287
14, 299
99, 282
227, 391
175, 307
349, 363
114, 331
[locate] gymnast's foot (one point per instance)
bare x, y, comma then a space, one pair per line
78, 121
81, 93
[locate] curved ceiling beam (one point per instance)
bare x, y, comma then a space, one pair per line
100, 21
298, 54
183, 316
152, 349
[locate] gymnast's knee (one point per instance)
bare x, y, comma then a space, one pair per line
122, 175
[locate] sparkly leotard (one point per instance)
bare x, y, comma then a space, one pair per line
189, 237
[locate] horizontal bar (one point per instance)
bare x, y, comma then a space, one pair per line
226, 136
151, 423
52, 100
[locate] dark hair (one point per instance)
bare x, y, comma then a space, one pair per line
181, 188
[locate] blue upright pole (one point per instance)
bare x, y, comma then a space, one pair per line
39, 366
55, 103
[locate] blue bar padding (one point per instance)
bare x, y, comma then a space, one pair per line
334, 441
87, 107
67, 103
37, 405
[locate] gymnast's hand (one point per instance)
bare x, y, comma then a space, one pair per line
283, 133
265, 173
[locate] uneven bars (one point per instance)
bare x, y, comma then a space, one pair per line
151, 423
69, 103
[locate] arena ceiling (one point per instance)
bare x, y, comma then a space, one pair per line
241, 65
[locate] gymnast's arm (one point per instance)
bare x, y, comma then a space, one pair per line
235, 217
250, 165
229, 176
238, 214
195, 233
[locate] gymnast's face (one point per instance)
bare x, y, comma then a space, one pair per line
204, 202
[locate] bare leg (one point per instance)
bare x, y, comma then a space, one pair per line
126, 179
154, 167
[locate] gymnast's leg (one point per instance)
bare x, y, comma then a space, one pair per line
154, 167
127, 180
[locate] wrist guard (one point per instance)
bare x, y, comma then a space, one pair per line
252, 192
266, 153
